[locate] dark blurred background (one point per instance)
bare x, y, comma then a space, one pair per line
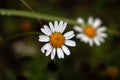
21, 58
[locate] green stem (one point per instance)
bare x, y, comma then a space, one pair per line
28, 14
113, 32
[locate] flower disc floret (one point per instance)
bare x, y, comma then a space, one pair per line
89, 31
57, 40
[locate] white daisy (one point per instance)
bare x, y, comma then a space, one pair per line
56, 42
91, 32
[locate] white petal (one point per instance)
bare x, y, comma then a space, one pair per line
47, 29
60, 26
49, 51
63, 27
70, 36
85, 39
101, 39
45, 32
80, 35
96, 41
78, 28
65, 50
43, 38
102, 35
91, 42
51, 27
53, 53
101, 29
56, 26
90, 20
61, 23
97, 23
60, 53
47, 46
68, 33
80, 20
70, 43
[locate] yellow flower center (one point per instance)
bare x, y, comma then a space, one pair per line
57, 39
89, 31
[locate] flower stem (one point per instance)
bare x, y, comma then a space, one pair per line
113, 32
7, 12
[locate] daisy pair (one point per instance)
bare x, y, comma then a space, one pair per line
56, 42
90, 32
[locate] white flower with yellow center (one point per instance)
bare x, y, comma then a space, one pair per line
91, 32
56, 42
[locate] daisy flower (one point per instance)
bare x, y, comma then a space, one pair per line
91, 32
55, 41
